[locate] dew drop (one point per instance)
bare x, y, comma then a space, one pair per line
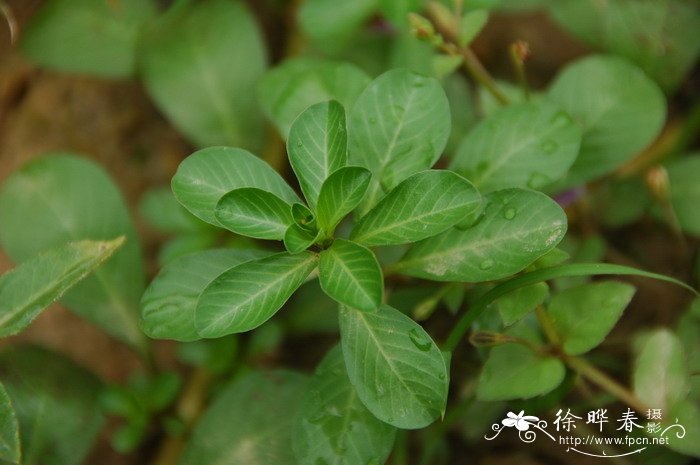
336, 371
549, 146
441, 376
509, 213
561, 118
419, 340
537, 180
486, 264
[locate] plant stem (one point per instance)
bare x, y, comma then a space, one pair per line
593, 374
547, 326
519, 50
470, 61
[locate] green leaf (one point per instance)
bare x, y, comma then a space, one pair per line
63, 198
619, 108
163, 212
38, 282
9, 429
290, 88
516, 304
207, 175
169, 303
56, 403
396, 368
249, 422
685, 191
421, 206
87, 37
523, 145
317, 146
514, 371
584, 315
303, 217
334, 426
545, 274
253, 212
350, 274
470, 25
330, 24
199, 62
247, 295
340, 194
518, 227
399, 126
661, 37
297, 239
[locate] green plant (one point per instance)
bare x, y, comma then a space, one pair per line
425, 217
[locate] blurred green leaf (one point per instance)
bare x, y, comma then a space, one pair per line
684, 191
583, 316
619, 108
470, 25
330, 24
516, 304
423, 205
246, 296
396, 368
168, 305
523, 145
62, 198
207, 175
398, 126
249, 422
87, 37
9, 429
199, 62
294, 85
253, 212
518, 227
161, 210
334, 426
317, 146
56, 403
350, 274
38, 282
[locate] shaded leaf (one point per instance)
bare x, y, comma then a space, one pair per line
518, 227
516, 304
9, 429
317, 146
684, 191
334, 426
397, 370
247, 295
207, 175
350, 274
330, 24
169, 303
199, 62
63, 198
38, 282
421, 206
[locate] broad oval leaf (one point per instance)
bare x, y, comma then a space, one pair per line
514, 371
249, 422
253, 212
684, 191
36, 283
317, 146
350, 274
515, 305
169, 303
296, 84
297, 239
56, 403
9, 429
584, 315
88, 37
334, 426
199, 62
421, 206
208, 174
398, 126
340, 194
247, 295
330, 24
397, 370
523, 145
63, 198
163, 212
619, 108
517, 228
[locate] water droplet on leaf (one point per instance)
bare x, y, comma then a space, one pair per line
549, 146
537, 180
486, 264
509, 213
420, 340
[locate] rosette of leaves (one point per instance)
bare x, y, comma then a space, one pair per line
372, 165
